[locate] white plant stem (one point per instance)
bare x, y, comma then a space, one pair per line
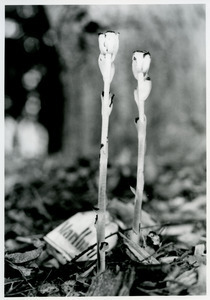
141, 129
100, 225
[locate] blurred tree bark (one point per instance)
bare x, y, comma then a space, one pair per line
175, 37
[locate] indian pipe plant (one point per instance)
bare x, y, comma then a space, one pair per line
140, 66
108, 45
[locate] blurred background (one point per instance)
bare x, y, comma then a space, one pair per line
52, 74
53, 107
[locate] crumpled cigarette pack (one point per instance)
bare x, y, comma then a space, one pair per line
76, 234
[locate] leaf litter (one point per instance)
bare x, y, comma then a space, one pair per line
171, 260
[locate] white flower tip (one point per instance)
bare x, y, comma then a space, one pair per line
140, 53
109, 43
140, 62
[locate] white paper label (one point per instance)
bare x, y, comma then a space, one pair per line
78, 233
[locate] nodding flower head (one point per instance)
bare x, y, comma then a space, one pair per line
140, 63
109, 43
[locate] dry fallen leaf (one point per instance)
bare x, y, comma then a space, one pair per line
124, 212
138, 252
68, 286
20, 258
183, 281
200, 287
25, 272
48, 289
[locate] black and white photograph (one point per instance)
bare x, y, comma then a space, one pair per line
103, 148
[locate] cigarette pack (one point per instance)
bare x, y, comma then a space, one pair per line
78, 233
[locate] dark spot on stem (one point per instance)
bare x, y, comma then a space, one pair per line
102, 245
102, 94
101, 146
136, 120
96, 219
112, 97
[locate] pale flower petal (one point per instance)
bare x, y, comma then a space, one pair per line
145, 89
101, 41
140, 63
109, 43
103, 67
102, 63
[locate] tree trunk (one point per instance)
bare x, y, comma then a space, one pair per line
175, 37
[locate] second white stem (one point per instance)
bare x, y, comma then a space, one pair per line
103, 169
141, 128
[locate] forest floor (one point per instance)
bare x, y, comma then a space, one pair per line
169, 260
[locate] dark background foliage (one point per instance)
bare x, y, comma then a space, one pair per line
29, 47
